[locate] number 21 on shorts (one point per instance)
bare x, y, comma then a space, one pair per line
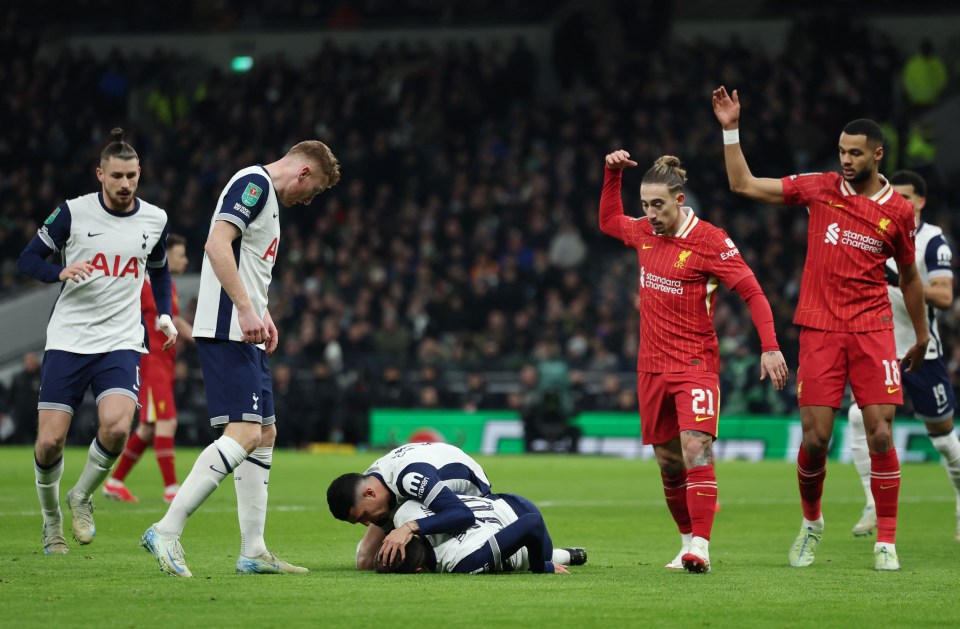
702, 402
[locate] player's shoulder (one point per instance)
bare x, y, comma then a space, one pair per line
929, 231
149, 210
82, 203
710, 235
255, 173
814, 178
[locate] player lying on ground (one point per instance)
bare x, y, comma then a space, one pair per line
509, 535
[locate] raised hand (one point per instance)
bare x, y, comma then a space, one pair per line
726, 108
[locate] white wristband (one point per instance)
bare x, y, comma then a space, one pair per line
731, 136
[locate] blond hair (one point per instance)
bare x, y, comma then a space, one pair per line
321, 155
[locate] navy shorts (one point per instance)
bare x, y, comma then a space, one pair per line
65, 376
931, 391
236, 377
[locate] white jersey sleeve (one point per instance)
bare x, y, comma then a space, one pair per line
102, 313
249, 202
418, 471
934, 259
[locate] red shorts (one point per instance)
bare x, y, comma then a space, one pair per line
829, 359
156, 399
673, 402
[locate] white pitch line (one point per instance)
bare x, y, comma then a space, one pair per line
161, 510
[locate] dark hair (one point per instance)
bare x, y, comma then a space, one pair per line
322, 156
118, 148
342, 494
666, 170
176, 239
910, 178
416, 556
864, 126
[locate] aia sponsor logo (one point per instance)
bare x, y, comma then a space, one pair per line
116, 267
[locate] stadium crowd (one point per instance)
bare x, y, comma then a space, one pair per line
463, 240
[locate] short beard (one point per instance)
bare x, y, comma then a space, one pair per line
861, 176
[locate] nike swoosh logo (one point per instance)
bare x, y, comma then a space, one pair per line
707, 495
173, 562
839, 205
217, 471
91, 234
702, 419
892, 389
648, 246
276, 214
882, 486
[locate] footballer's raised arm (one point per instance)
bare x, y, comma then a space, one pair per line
762, 189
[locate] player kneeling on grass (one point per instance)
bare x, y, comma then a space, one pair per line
509, 535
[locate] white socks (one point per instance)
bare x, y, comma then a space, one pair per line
252, 480
816, 525
99, 463
948, 446
48, 489
859, 450
218, 459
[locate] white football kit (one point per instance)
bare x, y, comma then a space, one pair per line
934, 259
102, 312
248, 201
492, 515
418, 471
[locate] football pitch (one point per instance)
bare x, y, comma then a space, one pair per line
614, 507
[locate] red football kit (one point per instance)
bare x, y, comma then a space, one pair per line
156, 368
678, 359
843, 308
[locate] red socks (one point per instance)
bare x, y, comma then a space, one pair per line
131, 454
165, 459
702, 499
675, 490
885, 486
811, 471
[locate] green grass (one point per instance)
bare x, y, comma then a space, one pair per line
613, 507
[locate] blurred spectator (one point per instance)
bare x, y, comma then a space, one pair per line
20, 425
925, 77
392, 391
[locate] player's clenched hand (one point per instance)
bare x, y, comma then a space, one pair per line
772, 364
914, 357
619, 159
252, 327
395, 543
726, 107
77, 271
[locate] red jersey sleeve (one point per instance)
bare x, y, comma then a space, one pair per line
724, 260
799, 189
613, 222
904, 242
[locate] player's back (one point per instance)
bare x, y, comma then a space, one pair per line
492, 515
406, 471
102, 312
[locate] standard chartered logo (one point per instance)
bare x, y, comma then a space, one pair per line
643, 276
833, 234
